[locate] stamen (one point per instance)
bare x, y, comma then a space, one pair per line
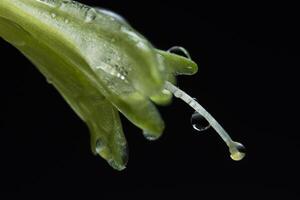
237, 150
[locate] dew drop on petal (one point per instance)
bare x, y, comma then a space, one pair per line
150, 136
180, 51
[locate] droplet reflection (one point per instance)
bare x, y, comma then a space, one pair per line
198, 122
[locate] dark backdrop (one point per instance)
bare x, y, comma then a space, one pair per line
248, 55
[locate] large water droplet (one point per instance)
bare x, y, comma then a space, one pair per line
198, 122
180, 51
237, 151
113, 16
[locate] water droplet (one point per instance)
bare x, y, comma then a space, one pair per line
141, 45
122, 77
90, 15
53, 15
66, 21
180, 51
115, 162
150, 136
113, 16
237, 151
198, 122
99, 146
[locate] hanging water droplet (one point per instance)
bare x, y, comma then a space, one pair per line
53, 15
66, 21
150, 136
237, 151
198, 122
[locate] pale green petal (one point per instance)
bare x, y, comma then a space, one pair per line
86, 100
178, 64
98, 63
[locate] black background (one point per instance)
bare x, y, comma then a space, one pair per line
248, 55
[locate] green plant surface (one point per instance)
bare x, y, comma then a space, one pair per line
99, 64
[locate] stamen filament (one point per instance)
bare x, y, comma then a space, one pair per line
234, 147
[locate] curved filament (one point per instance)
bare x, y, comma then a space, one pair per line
236, 149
